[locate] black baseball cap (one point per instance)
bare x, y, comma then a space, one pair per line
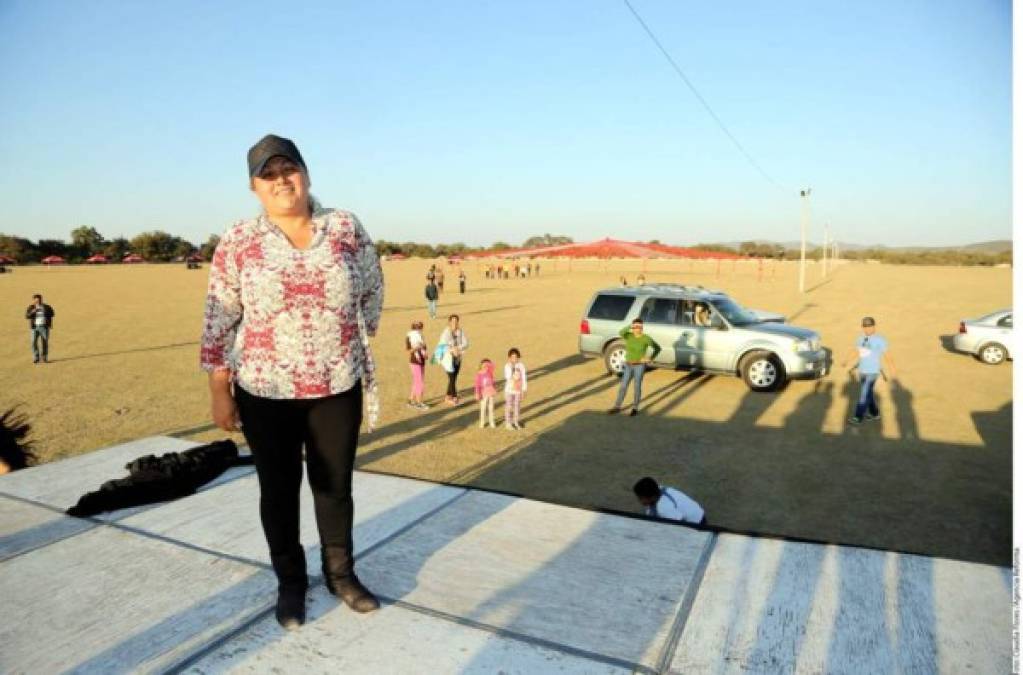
867, 321
272, 146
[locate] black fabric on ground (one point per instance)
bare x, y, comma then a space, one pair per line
154, 479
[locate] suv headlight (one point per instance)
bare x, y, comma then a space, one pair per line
810, 345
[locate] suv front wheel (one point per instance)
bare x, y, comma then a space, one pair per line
762, 371
614, 357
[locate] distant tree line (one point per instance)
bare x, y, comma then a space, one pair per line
86, 241
416, 250
159, 246
752, 249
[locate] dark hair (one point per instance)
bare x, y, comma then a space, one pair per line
646, 487
454, 316
15, 450
637, 320
36, 295
515, 351
486, 361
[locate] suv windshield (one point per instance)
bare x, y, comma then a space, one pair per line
733, 312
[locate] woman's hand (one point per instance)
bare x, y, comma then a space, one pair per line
223, 408
225, 411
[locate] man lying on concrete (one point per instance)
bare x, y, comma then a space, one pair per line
667, 502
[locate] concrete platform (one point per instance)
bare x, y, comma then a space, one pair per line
471, 582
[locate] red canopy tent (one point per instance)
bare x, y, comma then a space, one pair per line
608, 248
53, 260
97, 259
397, 256
7, 260
132, 258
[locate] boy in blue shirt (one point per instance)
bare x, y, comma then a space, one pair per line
869, 352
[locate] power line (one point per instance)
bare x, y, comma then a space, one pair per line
700, 98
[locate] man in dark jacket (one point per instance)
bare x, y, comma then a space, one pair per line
431, 298
40, 321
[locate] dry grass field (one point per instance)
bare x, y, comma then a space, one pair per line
934, 476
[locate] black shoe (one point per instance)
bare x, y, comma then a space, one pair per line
35, 360
635, 411
613, 411
291, 607
353, 593
339, 577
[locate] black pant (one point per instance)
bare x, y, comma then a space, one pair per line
276, 430
456, 364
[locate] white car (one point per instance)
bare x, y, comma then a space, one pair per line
989, 338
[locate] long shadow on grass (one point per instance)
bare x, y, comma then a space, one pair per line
125, 351
856, 487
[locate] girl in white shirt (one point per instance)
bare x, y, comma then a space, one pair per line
514, 388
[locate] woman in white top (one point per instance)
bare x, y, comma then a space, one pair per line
454, 338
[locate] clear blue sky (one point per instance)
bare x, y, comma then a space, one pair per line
478, 121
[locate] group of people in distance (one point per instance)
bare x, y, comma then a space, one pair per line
507, 271
435, 286
448, 354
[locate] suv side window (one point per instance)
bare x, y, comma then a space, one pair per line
662, 311
611, 307
1005, 321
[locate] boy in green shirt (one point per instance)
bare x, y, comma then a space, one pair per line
636, 360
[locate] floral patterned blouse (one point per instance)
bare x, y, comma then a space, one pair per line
290, 323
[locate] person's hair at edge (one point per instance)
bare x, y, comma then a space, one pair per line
646, 487
484, 361
515, 351
417, 325
15, 451
36, 296
637, 320
455, 317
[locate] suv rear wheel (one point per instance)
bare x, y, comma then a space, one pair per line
762, 371
614, 357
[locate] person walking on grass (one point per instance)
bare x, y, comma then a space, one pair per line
415, 345
667, 502
637, 344
440, 279
455, 342
515, 386
485, 391
869, 354
294, 296
40, 322
431, 298
461, 281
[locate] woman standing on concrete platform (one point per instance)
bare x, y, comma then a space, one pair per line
294, 296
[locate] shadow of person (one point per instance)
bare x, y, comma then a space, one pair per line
812, 409
902, 398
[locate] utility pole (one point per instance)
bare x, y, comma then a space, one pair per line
804, 222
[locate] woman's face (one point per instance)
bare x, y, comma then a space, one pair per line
282, 188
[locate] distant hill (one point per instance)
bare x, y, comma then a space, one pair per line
991, 247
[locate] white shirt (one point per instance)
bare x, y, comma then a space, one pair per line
676, 505
509, 383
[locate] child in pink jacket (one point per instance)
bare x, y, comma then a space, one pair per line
486, 390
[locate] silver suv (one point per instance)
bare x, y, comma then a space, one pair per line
702, 329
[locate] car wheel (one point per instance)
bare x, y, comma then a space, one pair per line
992, 353
614, 358
762, 371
